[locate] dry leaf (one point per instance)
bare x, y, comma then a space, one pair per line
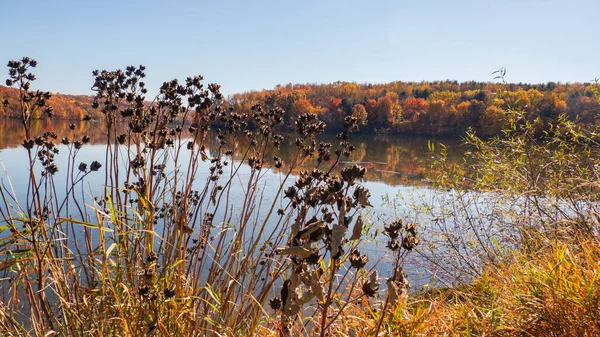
357, 230
298, 251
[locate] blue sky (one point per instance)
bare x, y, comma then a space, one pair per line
251, 45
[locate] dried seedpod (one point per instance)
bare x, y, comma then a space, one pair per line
357, 260
371, 286
275, 303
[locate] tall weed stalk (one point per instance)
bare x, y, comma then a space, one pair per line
165, 246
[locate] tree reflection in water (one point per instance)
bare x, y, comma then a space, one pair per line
391, 159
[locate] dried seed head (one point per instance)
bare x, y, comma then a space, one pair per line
95, 166
357, 260
169, 293
371, 286
275, 303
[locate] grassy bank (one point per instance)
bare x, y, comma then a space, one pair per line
552, 292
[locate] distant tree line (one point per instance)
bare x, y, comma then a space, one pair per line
67, 107
430, 108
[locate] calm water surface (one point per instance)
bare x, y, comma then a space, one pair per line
396, 168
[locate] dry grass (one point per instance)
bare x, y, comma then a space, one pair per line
553, 292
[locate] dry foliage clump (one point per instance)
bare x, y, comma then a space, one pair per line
552, 293
163, 247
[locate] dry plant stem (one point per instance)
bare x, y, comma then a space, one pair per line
151, 255
328, 298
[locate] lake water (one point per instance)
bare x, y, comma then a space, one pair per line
396, 169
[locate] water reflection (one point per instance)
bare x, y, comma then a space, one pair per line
396, 168
391, 159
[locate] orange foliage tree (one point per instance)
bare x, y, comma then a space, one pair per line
434, 108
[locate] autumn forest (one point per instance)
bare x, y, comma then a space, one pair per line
439, 108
